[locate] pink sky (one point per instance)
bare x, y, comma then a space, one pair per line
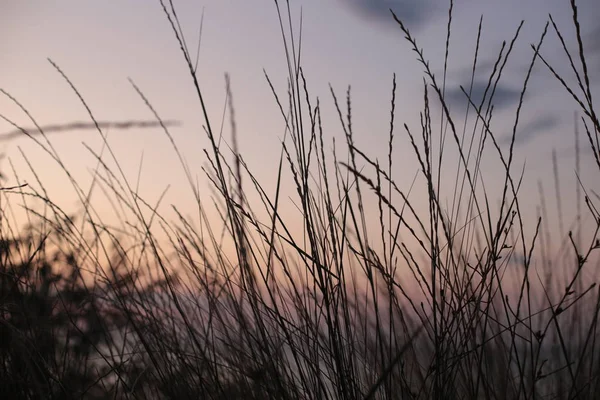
345, 42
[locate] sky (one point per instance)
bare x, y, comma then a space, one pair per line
101, 45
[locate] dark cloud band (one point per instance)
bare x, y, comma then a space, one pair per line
413, 13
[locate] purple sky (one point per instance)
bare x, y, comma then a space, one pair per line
345, 42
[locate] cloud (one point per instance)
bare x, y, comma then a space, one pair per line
504, 96
531, 130
413, 13
74, 126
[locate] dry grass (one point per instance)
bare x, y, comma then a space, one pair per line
446, 302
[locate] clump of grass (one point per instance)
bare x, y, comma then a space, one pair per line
438, 302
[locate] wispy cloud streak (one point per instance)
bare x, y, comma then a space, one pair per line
73, 126
413, 13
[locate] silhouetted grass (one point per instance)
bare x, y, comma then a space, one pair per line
383, 291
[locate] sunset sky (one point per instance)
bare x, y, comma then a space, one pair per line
100, 44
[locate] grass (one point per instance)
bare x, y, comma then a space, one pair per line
373, 296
